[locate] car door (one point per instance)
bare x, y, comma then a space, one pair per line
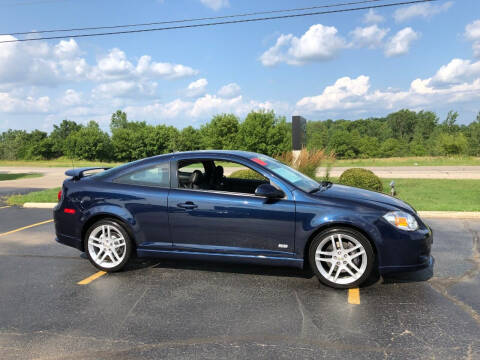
221, 221
144, 194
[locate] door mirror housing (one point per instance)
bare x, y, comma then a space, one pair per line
269, 191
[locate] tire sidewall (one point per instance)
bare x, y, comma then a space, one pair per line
357, 235
128, 244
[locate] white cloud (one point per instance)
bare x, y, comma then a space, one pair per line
67, 49
317, 44
456, 82
425, 10
197, 88
21, 104
372, 17
400, 43
215, 4
371, 36
229, 90
40, 64
202, 108
148, 67
71, 98
125, 88
472, 33
456, 71
338, 94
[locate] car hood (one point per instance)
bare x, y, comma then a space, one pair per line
353, 193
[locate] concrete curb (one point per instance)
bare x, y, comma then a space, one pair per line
39, 205
450, 214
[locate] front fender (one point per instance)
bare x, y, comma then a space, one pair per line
312, 218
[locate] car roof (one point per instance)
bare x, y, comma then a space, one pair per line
239, 153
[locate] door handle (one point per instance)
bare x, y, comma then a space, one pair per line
187, 205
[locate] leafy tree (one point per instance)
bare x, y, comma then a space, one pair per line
189, 139
118, 120
473, 137
89, 143
451, 144
221, 132
60, 134
262, 132
402, 124
12, 143
344, 144
449, 124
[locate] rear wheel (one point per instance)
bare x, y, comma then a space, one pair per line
341, 258
108, 245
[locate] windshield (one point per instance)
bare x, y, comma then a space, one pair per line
285, 172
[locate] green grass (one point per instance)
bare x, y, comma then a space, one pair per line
15, 176
43, 196
398, 161
410, 161
60, 162
436, 194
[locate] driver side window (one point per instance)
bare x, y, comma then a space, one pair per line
219, 176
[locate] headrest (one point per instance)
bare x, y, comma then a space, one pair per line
219, 171
196, 177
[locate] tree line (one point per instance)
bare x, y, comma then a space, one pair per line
402, 133
260, 131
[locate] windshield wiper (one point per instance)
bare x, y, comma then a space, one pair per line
323, 186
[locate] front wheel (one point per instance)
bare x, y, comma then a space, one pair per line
108, 245
341, 258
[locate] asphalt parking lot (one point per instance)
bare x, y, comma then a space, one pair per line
184, 310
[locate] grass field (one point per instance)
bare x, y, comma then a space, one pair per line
61, 162
410, 161
15, 176
436, 194
43, 196
400, 161
422, 194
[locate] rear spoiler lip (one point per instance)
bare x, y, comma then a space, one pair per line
78, 173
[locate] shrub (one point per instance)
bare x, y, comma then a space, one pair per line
361, 178
246, 174
307, 162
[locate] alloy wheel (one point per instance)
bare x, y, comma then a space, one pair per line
107, 246
341, 258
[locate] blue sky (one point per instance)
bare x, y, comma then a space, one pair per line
349, 65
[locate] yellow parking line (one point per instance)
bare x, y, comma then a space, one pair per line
4, 207
89, 279
26, 227
354, 296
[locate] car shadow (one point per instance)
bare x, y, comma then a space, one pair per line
217, 266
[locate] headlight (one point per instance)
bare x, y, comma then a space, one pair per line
401, 220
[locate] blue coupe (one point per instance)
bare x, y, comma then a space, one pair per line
240, 207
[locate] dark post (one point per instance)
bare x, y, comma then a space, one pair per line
299, 132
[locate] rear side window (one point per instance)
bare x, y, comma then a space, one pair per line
158, 175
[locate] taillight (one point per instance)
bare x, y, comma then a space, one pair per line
59, 196
69, 211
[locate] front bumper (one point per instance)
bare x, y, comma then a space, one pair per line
403, 251
426, 263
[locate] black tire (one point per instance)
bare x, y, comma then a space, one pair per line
370, 256
128, 244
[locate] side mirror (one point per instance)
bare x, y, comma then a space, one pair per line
269, 191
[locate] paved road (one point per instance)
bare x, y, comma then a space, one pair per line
53, 177
184, 310
418, 172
